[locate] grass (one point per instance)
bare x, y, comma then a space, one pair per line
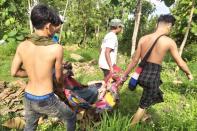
5, 66
178, 112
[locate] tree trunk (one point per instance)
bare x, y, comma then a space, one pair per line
186, 34
31, 4
85, 34
97, 31
187, 30
30, 24
107, 21
60, 36
136, 26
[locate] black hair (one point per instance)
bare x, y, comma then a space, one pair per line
41, 15
167, 19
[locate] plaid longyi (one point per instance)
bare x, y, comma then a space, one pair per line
150, 81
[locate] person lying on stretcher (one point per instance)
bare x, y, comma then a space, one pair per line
99, 95
75, 93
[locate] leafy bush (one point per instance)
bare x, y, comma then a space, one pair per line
8, 49
190, 52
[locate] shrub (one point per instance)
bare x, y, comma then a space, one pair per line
190, 52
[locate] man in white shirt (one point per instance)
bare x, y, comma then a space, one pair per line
109, 47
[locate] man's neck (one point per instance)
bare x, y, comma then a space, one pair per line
41, 33
161, 31
114, 31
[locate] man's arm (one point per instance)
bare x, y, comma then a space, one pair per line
134, 60
108, 58
16, 69
180, 62
58, 66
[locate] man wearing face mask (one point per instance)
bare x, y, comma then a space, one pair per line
39, 55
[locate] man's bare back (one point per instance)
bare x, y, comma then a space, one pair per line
37, 58
149, 79
38, 68
163, 45
159, 50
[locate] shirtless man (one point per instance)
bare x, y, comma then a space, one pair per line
39, 59
150, 77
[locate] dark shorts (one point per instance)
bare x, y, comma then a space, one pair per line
105, 72
150, 81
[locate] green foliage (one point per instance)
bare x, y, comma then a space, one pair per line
15, 36
84, 23
87, 53
8, 49
168, 3
190, 53
111, 123
13, 24
5, 66
48, 126
146, 26
181, 11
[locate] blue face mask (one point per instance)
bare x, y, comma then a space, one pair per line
55, 38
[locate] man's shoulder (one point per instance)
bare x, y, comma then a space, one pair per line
166, 39
56, 47
144, 38
163, 38
23, 44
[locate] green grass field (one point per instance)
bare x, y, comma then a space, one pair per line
178, 112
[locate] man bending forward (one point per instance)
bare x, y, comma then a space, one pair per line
39, 55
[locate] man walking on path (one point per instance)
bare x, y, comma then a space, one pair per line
109, 47
149, 79
39, 55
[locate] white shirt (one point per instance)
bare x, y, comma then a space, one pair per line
111, 41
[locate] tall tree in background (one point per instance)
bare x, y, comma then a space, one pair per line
136, 26
63, 17
31, 4
187, 32
188, 28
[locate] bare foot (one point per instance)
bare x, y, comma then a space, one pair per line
146, 117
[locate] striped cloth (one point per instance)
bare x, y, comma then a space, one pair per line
150, 81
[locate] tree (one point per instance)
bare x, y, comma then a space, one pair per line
186, 33
136, 26
13, 22
64, 15
31, 4
188, 28
182, 11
